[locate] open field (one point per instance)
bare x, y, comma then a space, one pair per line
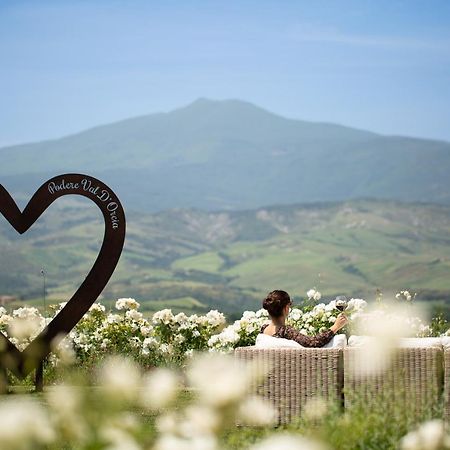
194, 260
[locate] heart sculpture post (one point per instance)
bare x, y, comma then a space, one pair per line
21, 363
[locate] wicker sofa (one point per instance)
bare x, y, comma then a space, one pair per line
417, 379
295, 376
410, 379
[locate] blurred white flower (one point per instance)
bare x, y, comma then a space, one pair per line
254, 411
118, 439
24, 424
288, 441
25, 326
160, 386
172, 442
385, 329
62, 346
430, 435
121, 377
220, 379
66, 407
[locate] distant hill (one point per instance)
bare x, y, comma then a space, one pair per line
194, 260
231, 155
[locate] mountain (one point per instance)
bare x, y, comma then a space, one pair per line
232, 155
194, 260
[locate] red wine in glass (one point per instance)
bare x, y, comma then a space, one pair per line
341, 303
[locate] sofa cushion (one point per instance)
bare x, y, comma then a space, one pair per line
266, 341
445, 340
338, 341
359, 341
421, 342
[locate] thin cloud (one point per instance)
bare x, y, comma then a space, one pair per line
333, 36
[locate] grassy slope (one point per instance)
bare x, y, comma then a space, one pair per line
194, 261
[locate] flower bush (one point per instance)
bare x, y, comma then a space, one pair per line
169, 339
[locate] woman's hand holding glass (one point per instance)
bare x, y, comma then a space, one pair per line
340, 322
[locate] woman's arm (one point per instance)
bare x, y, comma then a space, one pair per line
319, 340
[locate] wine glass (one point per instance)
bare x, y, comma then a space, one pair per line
341, 302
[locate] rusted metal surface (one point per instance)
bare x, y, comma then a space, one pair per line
21, 363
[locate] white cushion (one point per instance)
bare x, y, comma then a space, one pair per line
266, 341
338, 341
445, 341
420, 342
359, 341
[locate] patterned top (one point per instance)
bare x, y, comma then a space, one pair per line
287, 332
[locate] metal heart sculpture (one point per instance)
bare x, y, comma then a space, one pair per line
21, 363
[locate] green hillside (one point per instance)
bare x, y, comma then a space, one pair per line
196, 260
233, 155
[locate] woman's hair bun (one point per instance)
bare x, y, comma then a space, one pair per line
275, 302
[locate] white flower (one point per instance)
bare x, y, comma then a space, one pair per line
172, 442
97, 307
160, 388
113, 318
255, 412
215, 318
166, 349
121, 377
221, 380
202, 419
317, 296
310, 294
24, 326
225, 339
119, 439
146, 330
132, 314
180, 317
127, 303
5, 319
291, 442
24, 424
262, 313
164, 316
62, 346
430, 436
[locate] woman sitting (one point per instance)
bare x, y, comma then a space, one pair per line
277, 303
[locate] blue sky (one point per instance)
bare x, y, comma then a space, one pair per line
381, 65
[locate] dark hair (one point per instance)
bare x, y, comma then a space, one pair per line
275, 302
